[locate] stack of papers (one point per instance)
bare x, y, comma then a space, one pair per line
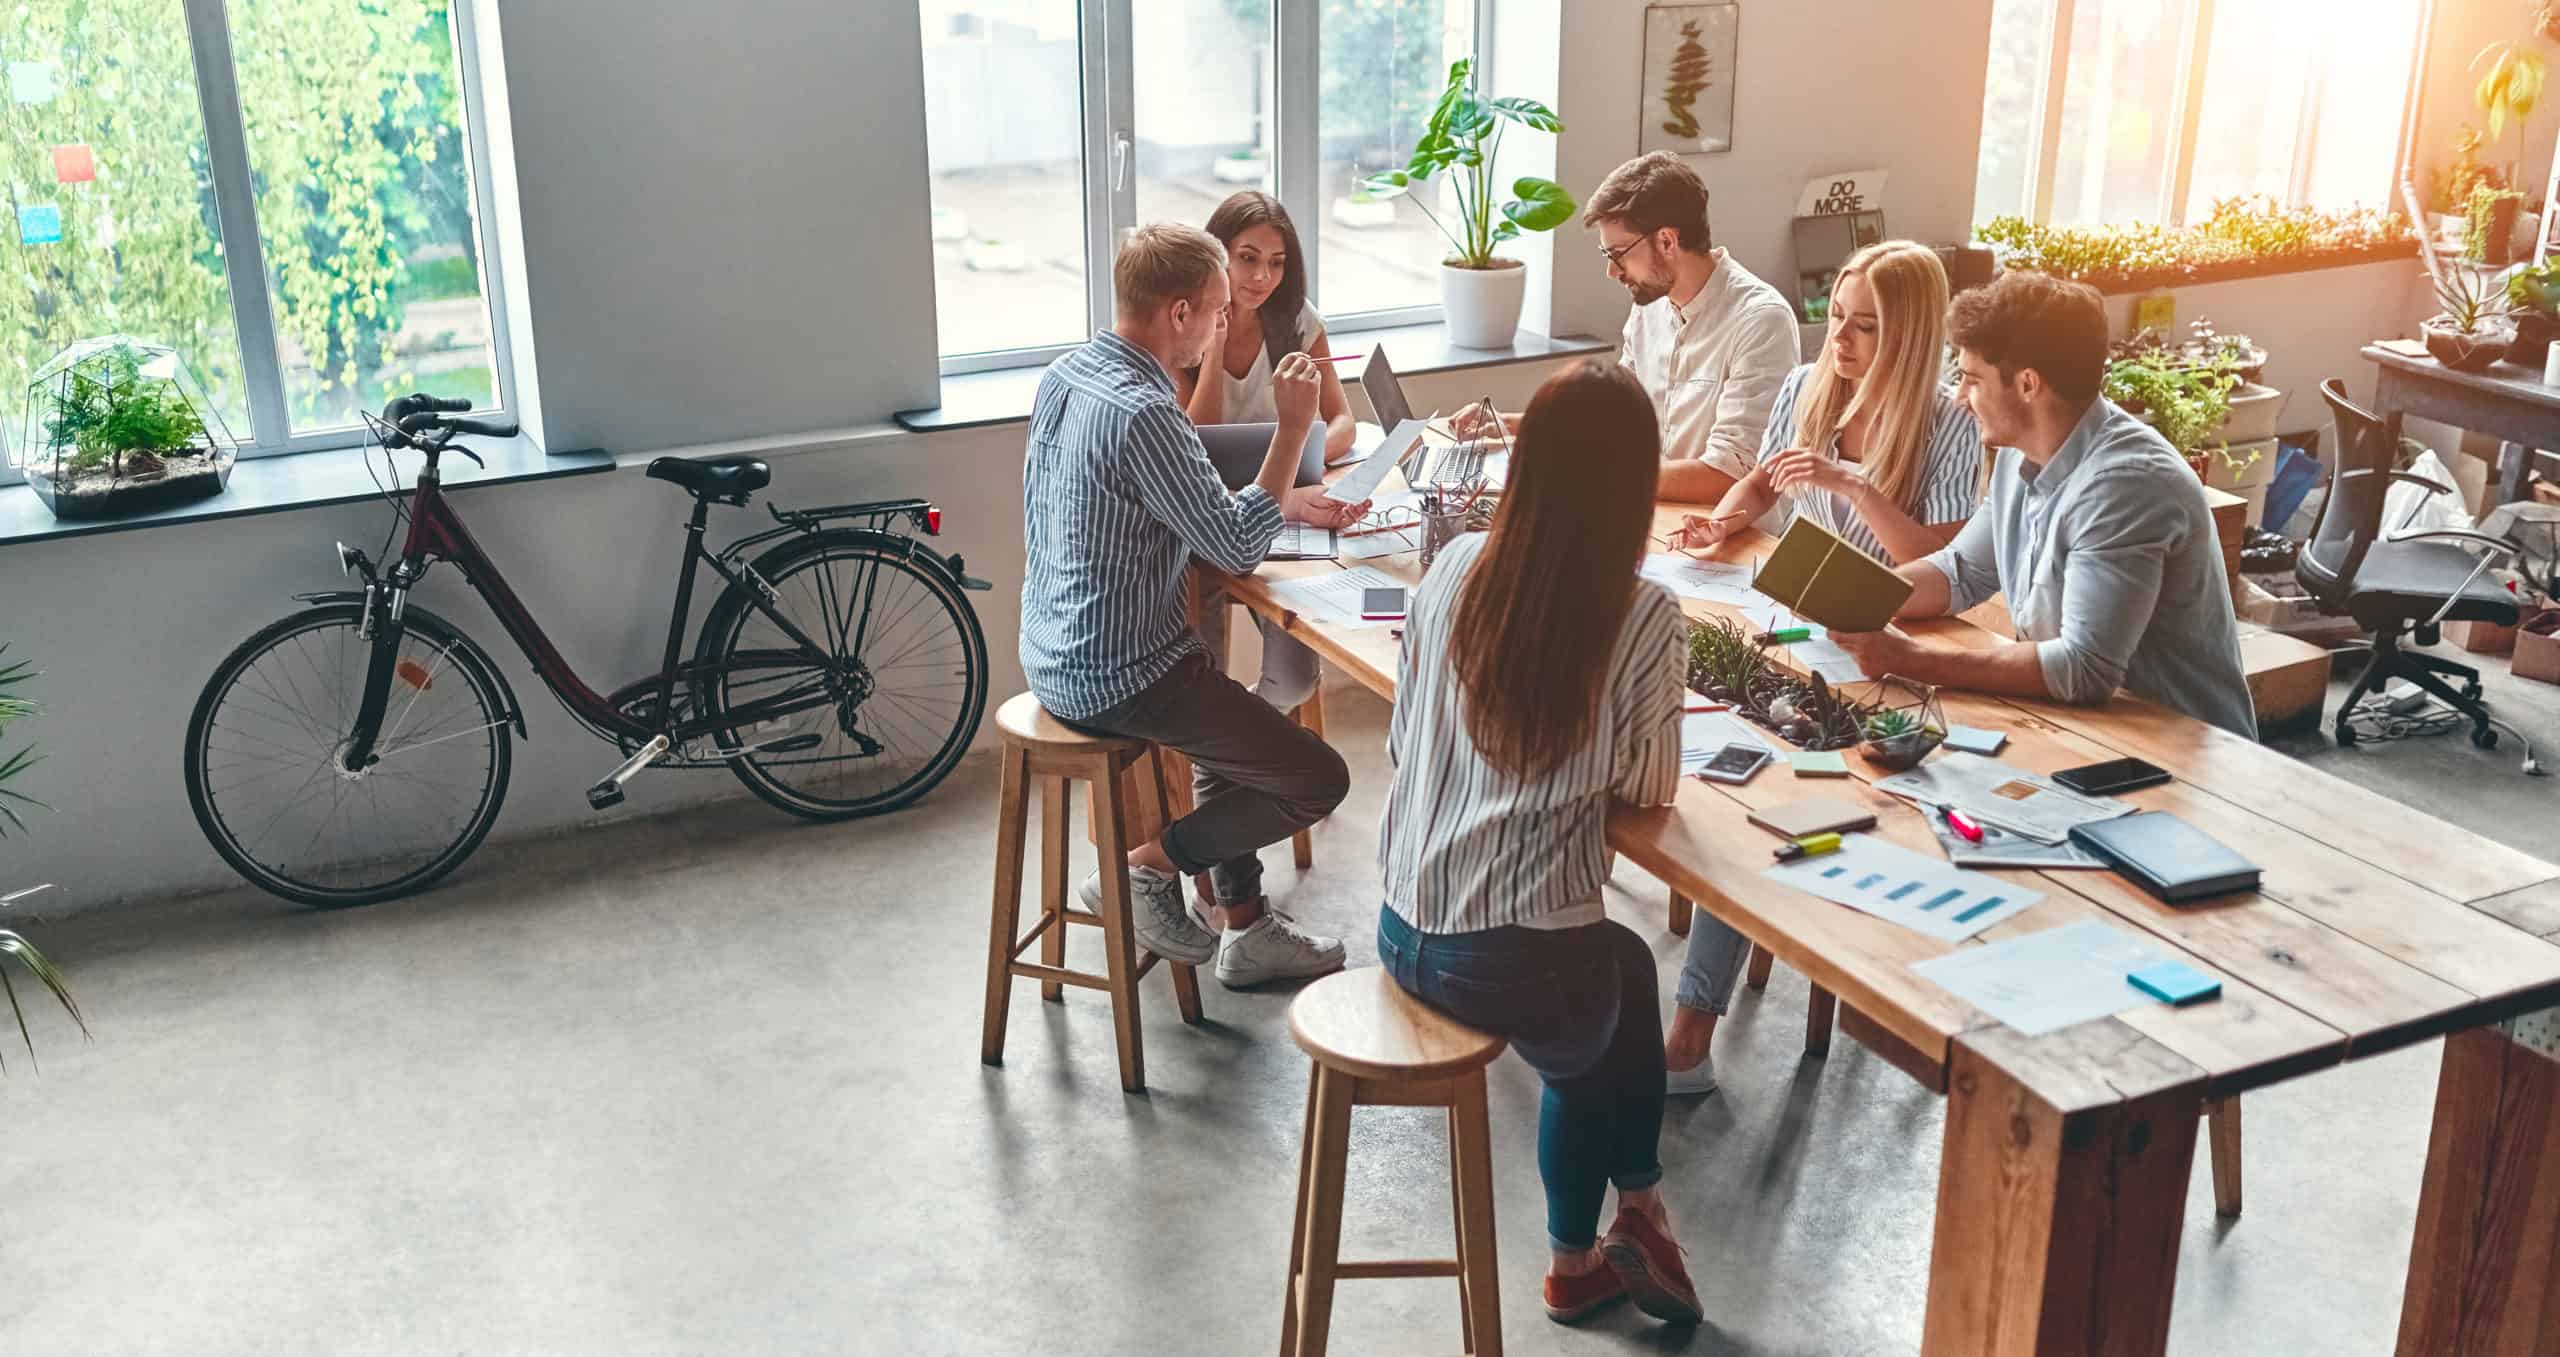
1866, 873
2000, 796
1714, 581
1333, 598
2047, 981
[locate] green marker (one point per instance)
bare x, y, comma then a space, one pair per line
1786, 636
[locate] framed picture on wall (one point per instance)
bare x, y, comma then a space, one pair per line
1688, 77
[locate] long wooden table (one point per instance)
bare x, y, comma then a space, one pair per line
2064, 1179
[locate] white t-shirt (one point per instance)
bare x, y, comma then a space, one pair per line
1248, 398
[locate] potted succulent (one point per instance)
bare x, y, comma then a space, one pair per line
1480, 291
2473, 330
117, 426
2237, 354
1903, 724
2533, 299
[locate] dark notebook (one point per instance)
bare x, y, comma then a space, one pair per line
2167, 856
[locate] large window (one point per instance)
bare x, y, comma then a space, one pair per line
1053, 126
2099, 111
280, 189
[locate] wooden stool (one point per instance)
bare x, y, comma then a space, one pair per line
1375, 1045
1310, 714
2222, 1115
1037, 744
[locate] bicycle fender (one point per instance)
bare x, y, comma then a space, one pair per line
506, 691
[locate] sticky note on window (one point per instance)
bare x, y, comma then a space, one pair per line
1812, 763
74, 164
40, 224
31, 82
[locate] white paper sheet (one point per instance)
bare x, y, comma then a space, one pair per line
1333, 598
1996, 793
1713, 581
1703, 733
1920, 893
2049, 980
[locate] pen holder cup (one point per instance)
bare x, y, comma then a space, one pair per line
1439, 530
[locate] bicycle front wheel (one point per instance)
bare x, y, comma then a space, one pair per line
884, 713
264, 769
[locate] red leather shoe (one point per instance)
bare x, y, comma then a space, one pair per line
1648, 1265
1573, 1299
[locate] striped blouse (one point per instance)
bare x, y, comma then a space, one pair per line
1950, 476
1465, 847
1117, 497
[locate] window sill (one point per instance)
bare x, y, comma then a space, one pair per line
2120, 284
302, 480
978, 399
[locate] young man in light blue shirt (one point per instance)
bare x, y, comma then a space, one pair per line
2095, 530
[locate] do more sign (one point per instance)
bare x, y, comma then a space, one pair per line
1837, 195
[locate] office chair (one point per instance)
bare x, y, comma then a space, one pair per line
2396, 582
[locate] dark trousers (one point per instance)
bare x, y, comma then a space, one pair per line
1259, 777
1578, 1004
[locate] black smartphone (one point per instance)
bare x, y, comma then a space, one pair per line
1381, 605
1735, 763
2115, 775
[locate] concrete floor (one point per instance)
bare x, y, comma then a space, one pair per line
712, 1086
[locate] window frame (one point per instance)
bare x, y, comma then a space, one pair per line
2035, 197
1105, 56
270, 432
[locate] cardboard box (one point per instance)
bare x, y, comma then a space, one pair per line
2482, 638
2537, 643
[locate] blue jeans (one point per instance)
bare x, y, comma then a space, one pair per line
1714, 963
1578, 1004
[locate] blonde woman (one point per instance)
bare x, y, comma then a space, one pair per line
1864, 441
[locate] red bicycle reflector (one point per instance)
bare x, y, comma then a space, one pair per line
414, 674
933, 520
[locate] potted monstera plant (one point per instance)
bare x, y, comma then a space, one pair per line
1480, 291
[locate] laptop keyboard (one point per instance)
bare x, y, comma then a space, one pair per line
1457, 464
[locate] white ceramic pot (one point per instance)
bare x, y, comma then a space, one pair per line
1482, 306
2241, 466
2253, 414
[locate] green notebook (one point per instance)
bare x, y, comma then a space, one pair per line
1819, 574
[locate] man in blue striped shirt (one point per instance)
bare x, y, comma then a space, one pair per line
1118, 496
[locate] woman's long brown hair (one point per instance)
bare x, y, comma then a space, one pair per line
1538, 618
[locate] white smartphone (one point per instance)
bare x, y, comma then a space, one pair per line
1735, 762
1381, 605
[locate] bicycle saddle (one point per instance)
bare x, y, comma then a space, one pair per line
733, 475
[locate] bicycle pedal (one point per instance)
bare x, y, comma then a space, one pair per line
603, 796
608, 793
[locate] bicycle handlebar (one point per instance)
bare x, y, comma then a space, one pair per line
402, 407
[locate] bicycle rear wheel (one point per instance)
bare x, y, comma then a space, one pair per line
264, 776
895, 703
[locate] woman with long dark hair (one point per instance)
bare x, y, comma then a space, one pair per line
1540, 681
1268, 318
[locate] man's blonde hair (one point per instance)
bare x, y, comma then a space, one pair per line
1162, 264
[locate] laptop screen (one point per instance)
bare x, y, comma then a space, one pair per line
1386, 394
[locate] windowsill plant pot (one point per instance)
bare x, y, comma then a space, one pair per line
2533, 299
2534, 335
2470, 350
121, 427
1481, 306
1361, 212
1241, 168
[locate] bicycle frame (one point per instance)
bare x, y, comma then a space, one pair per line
437, 532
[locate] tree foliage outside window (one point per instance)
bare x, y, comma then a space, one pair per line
1382, 65
353, 119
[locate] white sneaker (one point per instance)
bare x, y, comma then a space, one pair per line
1163, 926
1696, 1081
1274, 948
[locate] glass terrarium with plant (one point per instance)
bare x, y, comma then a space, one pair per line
2474, 329
1903, 723
116, 426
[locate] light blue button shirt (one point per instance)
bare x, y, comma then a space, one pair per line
2111, 566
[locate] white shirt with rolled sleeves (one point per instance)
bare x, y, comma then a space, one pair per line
1713, 367
2111, 566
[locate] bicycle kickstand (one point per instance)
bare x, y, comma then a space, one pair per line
607, 794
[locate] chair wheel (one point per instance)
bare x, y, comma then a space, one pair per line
2471, 690
2346, 736
2484, 738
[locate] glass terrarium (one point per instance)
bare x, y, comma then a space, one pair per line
1901, 722
116, 426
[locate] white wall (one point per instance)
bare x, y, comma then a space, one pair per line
2311, 325
1822, 86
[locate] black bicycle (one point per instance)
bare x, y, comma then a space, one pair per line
359, 749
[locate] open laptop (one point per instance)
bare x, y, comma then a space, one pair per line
1237, 450
1395, 415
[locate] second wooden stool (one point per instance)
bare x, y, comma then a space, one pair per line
1375, 1045
1037, 744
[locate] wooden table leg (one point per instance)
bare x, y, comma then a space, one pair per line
2061, 1194
1758, 976
2222, 1122
1680, 911
2484, 1272
1817, 1021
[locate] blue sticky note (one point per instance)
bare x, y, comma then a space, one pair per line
1975, 740
2175, 982
40, 224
